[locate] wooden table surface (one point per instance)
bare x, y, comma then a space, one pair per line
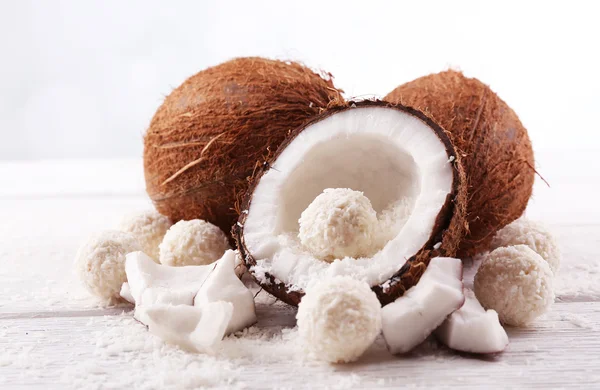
54, 335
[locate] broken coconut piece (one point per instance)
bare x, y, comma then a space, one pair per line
402, 162
223, 285
411, 318
473, 329
151, 283
126, 293
192, 328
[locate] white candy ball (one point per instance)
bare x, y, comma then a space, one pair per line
194, 242
526, 232
100, 263
338, 319
515, 282
339, 223
149, 228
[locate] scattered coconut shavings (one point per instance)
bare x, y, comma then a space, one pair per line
393, 218
260, 272
578, 280
578, 321
120, 341
154, 364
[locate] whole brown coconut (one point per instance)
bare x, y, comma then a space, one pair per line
215, 129
496, 150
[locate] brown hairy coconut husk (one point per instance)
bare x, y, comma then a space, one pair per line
212, 132
496, 150
449, 224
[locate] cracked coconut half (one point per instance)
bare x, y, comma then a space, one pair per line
370, 190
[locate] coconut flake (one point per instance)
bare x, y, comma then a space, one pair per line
473, 329
151, 283
192, 328
223, 285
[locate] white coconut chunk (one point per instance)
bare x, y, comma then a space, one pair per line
223, 285
409, 320
151, 283
394, 158
126, 293
473, 329
192, 328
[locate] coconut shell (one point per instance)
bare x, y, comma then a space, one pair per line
496, 151
449, 227
212, 132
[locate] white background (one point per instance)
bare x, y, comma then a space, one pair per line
83, 78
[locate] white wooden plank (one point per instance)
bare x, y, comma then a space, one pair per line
560, 351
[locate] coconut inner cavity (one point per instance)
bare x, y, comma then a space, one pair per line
394, 158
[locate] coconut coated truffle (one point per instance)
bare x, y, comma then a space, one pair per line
149, 228
194, 242
338, 319
534, 235
339, 223
515, 282
100, 263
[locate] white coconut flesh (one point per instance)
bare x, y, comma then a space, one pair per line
398, 162
410, 319
192, 328
151, 283
473, 329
